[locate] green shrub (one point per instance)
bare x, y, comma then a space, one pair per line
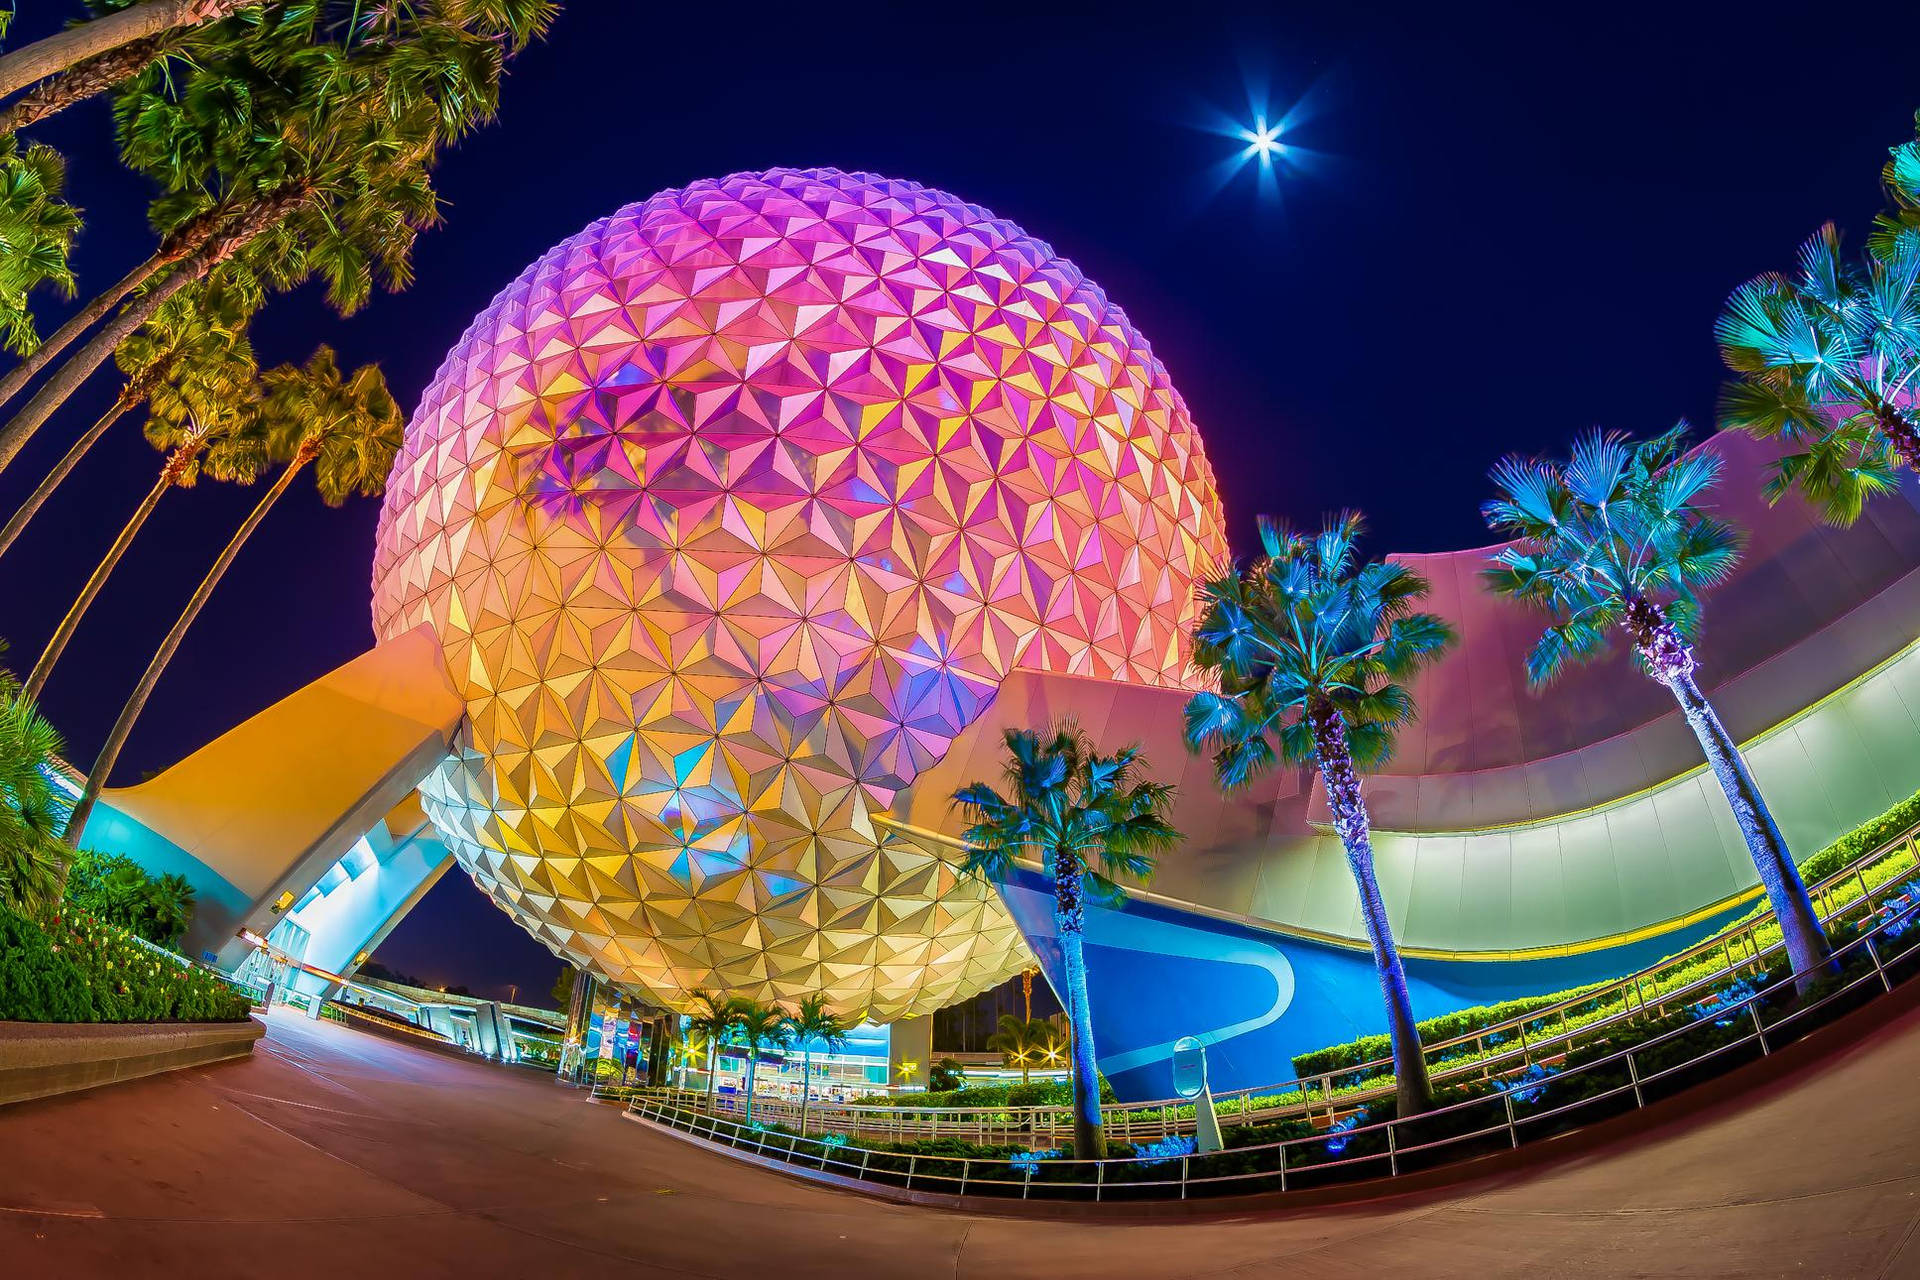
78, 969
1862, 840
115, 889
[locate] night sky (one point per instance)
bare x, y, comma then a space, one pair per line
1515, 225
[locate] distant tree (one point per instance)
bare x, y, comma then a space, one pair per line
562, 991
759, 1026
814, 1023
712, 1017
1022, 1042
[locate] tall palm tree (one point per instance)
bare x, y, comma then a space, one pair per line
1021, 1042
759, 1026
813, 1023
347, 428
204, 324
311, 156
29, 812
1311, 647
712, 1017
201, 404
1826, 359
36, 232
1089, 822
1613, 538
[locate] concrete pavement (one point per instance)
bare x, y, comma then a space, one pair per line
333, 1153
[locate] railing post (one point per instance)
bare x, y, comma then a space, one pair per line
911, 1162
1753, 1007
965, 1165
1183, 1176
1393, 1151
1513, 1130
1099, 1178
1873, 950
1633, 1073
865, 1155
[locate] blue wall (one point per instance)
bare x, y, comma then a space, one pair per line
1257, 998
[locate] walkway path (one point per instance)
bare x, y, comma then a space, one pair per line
333, 1153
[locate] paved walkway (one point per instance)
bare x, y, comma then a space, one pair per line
334, 1153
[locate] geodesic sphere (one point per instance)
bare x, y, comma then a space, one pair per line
729, 514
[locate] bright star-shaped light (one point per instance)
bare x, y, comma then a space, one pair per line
1262, 141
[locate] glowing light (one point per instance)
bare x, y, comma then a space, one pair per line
1263, 141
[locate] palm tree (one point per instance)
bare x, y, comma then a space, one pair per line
36, 232
759, 1026
1021, 1042
1612, 538
311, 157
1826, 359
204, 419
1089, 823
1311, 648
712, 1017
205, 325
169, 905
814, 1023
347, 428
85, 45
29, 812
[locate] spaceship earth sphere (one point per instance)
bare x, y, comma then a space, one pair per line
729, 514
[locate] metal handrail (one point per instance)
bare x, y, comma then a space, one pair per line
1500, 1045
1097, 1179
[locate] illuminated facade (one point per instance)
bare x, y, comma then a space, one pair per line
729, 515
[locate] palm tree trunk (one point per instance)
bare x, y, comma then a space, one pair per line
38, 498
1900, 433
104, 762
80, 365
235, 232
1807, 948
1069, 916
1670, 661
806, 1086
36, 680
1413, 1091
66, 49
78, 323
753, 1064
713, 1072
82, 81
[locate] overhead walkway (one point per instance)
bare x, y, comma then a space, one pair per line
304, 818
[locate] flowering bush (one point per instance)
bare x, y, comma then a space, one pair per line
1171, 1147
76, 968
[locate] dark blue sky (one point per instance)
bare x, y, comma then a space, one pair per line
1525, 223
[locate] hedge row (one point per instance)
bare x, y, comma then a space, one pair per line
78, 969
1856, 844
